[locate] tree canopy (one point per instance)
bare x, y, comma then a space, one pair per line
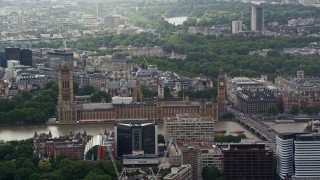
18, 162
100, 96
26, 108
211, 173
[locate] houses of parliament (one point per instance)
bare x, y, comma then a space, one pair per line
70, 111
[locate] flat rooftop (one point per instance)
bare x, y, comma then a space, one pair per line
189, 117
199, 145
247, 146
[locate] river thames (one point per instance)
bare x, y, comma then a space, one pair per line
8, 133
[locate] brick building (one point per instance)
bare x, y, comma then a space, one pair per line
299, 90
71, 146
247, 161
199, 154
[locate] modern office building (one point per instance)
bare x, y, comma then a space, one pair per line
307, 156
2, 59
236, 27
10, 53
285, 155
189, 126
71, 146
298, 156
26, 57
13, 53
183, 172
199, 154
134, 137
247, 161
257, 18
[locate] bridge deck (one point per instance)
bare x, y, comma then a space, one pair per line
265, 131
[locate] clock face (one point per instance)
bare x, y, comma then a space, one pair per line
221, 83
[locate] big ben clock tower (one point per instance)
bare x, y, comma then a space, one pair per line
221, 92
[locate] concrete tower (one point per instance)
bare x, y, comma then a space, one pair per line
236, 27
66, 105
257, 18
99, 9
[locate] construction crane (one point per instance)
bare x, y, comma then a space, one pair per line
122, 175
152, 173
156, 177
146, 61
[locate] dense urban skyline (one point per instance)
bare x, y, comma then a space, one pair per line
150, 89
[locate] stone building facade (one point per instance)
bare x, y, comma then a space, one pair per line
256, 101
222, 78
66, 104
300, 90
69, 112
154, 110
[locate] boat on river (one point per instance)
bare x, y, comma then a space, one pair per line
237, 132
283, 121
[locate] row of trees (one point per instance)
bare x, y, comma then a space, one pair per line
18, 162
296, 109
200, 94
25, 108
96, 96
211, 173
209, 13
206, 54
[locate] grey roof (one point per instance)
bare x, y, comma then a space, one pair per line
256, 95
114, 84
28, 72
143, 73
132, 84
93, 106
134, 124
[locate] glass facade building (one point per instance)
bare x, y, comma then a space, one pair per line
298, 156
136, 137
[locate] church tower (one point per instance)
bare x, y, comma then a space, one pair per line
221, 93
67, 112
